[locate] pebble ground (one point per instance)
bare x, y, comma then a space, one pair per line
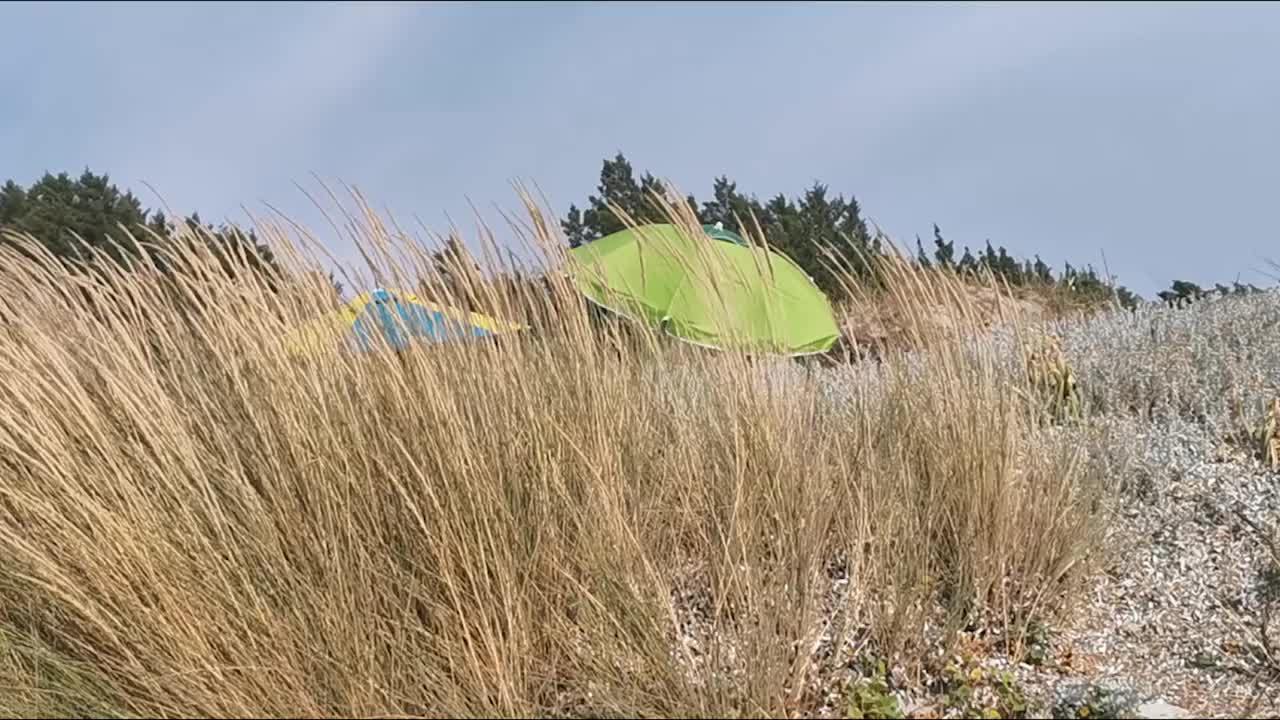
1174, 612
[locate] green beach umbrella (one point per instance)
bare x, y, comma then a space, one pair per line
717, 294
717, 232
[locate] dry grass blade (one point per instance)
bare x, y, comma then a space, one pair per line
196, 523
1268, 435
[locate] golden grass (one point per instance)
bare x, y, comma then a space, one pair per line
194, 523
1268, 435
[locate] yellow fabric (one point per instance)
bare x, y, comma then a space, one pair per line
326, 333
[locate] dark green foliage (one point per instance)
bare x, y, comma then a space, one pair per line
921, 257
731, 208
1185, 292
871, 696
234, 248
71, 216
574, 229
62, 212
618, 186
1084, 282
1042, 271
1181, 292
1128, 299
945, 252
1185, 289
810, 227
1086, 286
836, 223
804, 229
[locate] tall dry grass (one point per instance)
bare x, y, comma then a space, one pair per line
194, 523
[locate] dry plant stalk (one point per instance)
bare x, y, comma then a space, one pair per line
1049, 373
1268, 435
195, 523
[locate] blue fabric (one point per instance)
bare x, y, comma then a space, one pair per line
398, 323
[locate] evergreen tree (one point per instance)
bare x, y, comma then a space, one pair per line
806, 227
1042, 271
733, 209
574, 229
1010, 269
829, 225
783, 222
1128, 299
57, 209
990, 261
945, 252
1238, 289
921, 257
70, 216
619, 187
1186, 289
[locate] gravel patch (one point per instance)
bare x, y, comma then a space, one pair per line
1169, 625
1175, 609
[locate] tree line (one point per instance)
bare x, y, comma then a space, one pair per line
801, 227
76, 218
811, 227
71, 215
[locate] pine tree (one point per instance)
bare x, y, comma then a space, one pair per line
733, 209
1042, 271
720, 208
921, 256
1187, 289
804, 230
990, 261
618, 187
57, 209
574, 229
1128, 299
1009, 269
824, 226
945, 252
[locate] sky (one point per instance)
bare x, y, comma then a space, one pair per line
1145, 135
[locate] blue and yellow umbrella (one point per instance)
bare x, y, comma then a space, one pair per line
387, 319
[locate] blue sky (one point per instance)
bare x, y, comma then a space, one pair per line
1148, 130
